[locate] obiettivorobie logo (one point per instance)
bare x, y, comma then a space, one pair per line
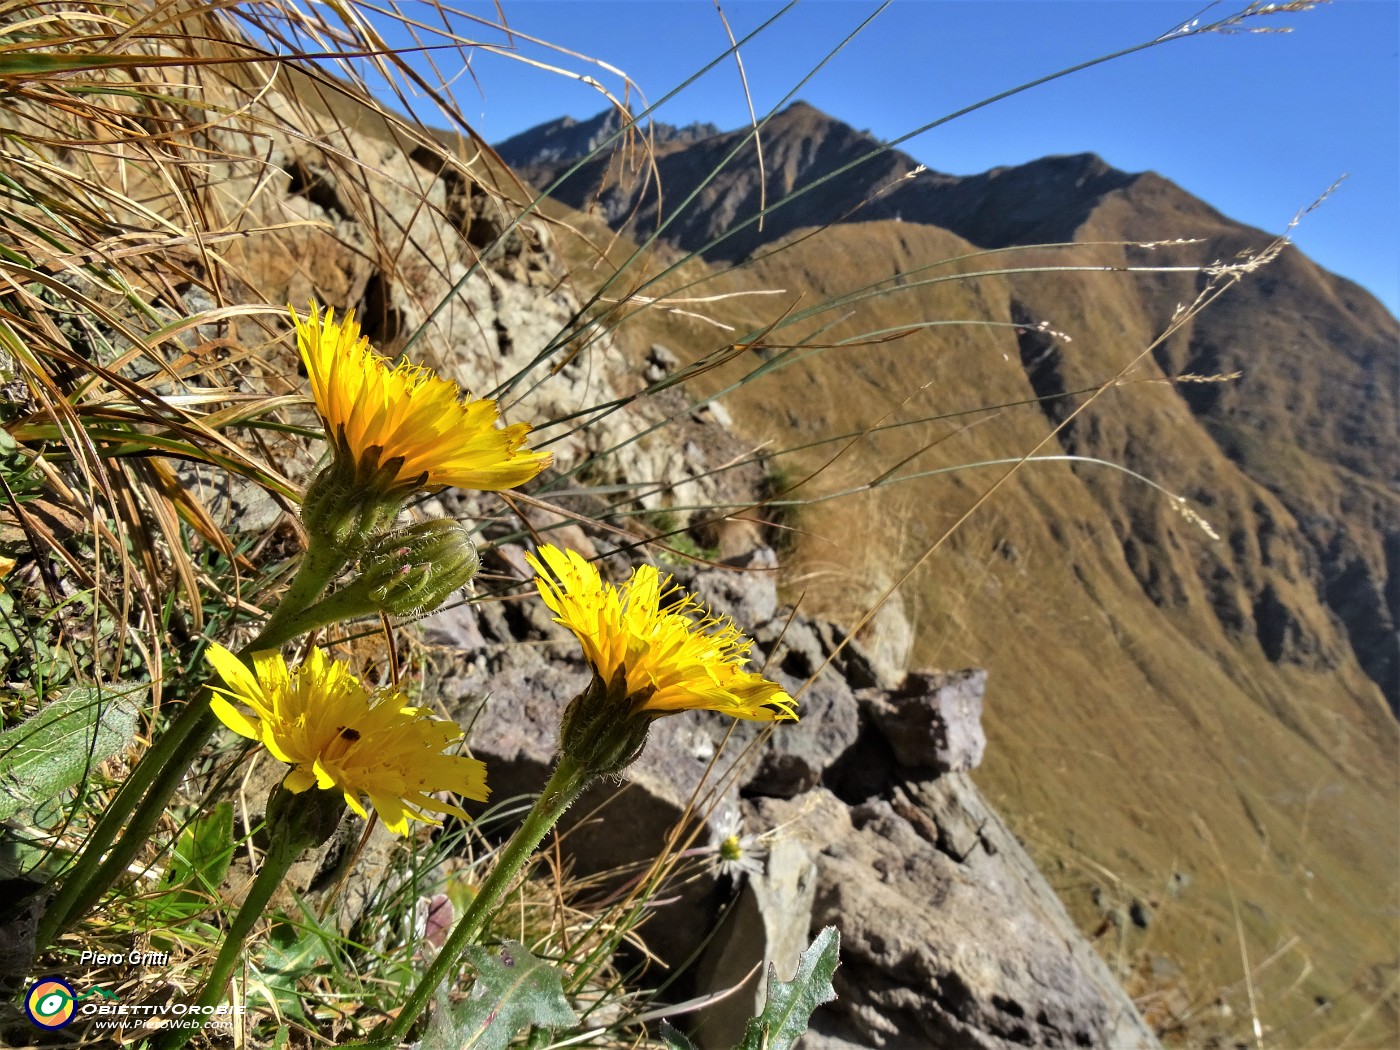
52, 1003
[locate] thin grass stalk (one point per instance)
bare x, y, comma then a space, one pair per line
568, 333
790, 356
559, 340
758, 217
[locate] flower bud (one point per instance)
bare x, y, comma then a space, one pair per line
303, 820
410, 571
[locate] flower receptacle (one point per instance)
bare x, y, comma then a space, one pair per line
348, 504
602, 729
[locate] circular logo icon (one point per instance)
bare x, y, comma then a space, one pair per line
49, 1003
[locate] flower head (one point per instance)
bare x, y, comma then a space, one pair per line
404, 427
319, 719
677, 658
735, 853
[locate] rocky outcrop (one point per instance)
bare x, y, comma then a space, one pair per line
429, 248
859, 816
950, 936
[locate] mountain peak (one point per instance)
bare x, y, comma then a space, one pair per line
566, 140
1085, 164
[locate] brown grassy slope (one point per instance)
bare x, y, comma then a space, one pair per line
1130, 737
1315, 419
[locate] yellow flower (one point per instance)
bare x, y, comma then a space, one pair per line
321, 720
377, 414
678, 658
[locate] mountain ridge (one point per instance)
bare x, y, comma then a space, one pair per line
801, 146
1328, 393
566, 139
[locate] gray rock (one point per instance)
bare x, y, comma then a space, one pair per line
513, 695
234, 503
663, 357
793, 643
713, 412
934, 721
951, 938
661, 362
795, 755
944, 951
817, 1041
509, 558
887, 641
453, 626
877, 657
747, 593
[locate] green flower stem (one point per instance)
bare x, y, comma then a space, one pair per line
565, 785
290, 838
349, 602
321, 564
141, 801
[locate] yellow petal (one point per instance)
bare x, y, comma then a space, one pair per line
391, 812
408, 413
233, 718
353, 801
298, 780
271, 671
232, 670
335, 734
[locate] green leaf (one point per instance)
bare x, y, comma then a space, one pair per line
56, 748
200, 861
512, 991
789, 1005
290, 955
673, 1037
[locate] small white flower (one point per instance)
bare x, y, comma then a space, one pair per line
735, 854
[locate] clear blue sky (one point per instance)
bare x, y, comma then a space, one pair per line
1256, 124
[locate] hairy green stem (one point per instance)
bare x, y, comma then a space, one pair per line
90, 879
141, 801
564, 786
318, 568
289, 840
